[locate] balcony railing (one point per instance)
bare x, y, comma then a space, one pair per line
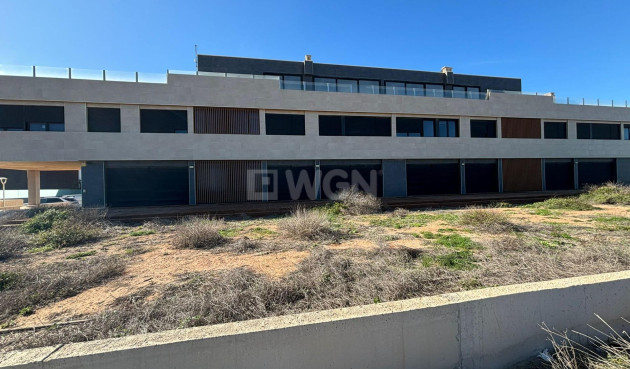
141, 77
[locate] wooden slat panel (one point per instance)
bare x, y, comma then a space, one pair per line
219, 181
520, 128
522, 175
227, 121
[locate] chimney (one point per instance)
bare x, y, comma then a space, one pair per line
307, 57
448, 75
308, 67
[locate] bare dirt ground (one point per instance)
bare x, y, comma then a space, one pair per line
152, 263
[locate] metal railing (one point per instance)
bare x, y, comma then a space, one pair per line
162, 78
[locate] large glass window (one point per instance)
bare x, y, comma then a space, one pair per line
434, 90
556, 130
415, 89
395, 88
103, 119
459, 92
347, 85
284, 124
163, 121
368, 87
325, 84
428, 129
332, 125
292, 82
31, 118
626, 132
408, 127
598, 131
483, 128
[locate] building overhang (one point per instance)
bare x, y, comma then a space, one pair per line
41, 165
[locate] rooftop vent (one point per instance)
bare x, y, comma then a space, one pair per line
307, 57
447, 69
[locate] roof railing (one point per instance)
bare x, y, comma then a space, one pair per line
141, 77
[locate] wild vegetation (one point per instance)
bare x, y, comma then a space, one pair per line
198, 271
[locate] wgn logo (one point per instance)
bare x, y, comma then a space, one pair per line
268, 184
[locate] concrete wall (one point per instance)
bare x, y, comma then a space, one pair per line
482, 329
186, 91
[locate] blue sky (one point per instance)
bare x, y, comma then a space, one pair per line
574, 48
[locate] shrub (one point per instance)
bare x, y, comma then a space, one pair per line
487, 220
306, 224
355, 202
609, 193
68, 232
565, 203
45, 220
246, 244
11, 243
199, 233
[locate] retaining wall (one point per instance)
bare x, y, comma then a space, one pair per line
485, 329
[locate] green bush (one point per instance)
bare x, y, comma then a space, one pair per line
565, 203
66, 233
44, 220
609, 193
7, 280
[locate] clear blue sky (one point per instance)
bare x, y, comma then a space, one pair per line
575, 48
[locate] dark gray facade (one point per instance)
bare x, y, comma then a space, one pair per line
309, 70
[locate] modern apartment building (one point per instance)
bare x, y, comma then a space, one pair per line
241, 129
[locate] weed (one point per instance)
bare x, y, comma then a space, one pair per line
456, 241
429, 235
355, 202
261, 232
245, 244
199, 233
80, 255
141, 232
230, 232
609, 193
458, 260
487, 220
306, 224
413, 220
39, 250
45, 220
26, 311
7, 280
564, 203
542, 212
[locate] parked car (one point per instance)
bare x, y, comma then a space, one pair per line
58, 201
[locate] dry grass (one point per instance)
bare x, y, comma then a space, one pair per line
36, 287
306, 224
602, 350
355, 202
12, 242
199, 233
487, 220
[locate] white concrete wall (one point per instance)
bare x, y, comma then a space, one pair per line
482, 329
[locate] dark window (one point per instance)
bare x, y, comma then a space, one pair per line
347, 85
31, 117
325, 84
555, 130
428, 177
598, 131
483, 128
395, 88
330, 125
428, 128
482, 176
626, 132
103, 119
285, 124
596, 171
291, 82
408, 127
435, 90
163, 121
368, 87
559, 174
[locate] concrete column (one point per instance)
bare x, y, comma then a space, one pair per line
542, 128
499, 135
33, 187
394, 178
191, 119
130, 118
464, 127
393, 125
75, 117
544, 175
576, 177
462, 176
500, 168
263, 121
572, 130
311, 122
